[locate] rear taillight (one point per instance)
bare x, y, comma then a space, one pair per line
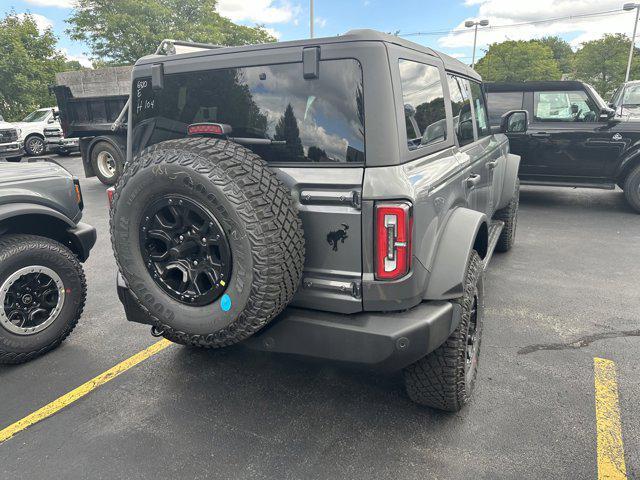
110, 192
393, 240
208, 129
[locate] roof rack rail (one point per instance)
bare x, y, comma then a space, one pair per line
168, 46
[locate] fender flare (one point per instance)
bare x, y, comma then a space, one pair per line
626, 165
510, 180
12, 210
465, 230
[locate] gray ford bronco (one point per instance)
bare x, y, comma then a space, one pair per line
338, 198
42, 245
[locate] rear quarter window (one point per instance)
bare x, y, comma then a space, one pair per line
500, 103
309, 121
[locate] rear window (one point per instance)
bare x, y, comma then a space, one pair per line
319, 120
500, 103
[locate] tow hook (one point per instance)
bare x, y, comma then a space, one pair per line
156, 331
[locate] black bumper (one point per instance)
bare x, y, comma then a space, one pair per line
83, 238
385, 341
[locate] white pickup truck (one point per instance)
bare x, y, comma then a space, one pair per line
41, 132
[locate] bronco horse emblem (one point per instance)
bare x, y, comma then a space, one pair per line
338, 236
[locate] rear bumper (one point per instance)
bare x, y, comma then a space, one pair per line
384, 341
83, 237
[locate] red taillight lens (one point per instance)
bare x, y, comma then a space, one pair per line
208, 129
393, 240
110, 192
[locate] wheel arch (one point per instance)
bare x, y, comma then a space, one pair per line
466, 230
39, 220
626, 166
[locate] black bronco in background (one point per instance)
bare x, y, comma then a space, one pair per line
338, 198
573, 139
42, 242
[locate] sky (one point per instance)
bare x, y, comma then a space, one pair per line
440, 23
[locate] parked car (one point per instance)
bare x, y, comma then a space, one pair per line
271, 198
11, 147
626, 100
32, 129
574, 139
42, 245
89, 115
57, 143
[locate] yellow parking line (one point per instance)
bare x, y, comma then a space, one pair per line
611, 464
82, 390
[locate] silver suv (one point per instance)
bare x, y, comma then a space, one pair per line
338, 198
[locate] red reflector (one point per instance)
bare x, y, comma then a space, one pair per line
393, 240
110, 192
207, 129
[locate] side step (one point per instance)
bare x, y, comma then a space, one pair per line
495, 229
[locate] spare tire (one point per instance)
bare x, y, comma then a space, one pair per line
208, 240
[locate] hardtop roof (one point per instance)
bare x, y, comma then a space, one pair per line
551, 85
363, 35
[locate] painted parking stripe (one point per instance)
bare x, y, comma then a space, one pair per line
82, 390
611, 464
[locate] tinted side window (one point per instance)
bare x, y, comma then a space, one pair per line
480, 108
461, 106
423, 100
500, 103
320, 120
570, 106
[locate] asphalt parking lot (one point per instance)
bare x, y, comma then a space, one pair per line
567, 293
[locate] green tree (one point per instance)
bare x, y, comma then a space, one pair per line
119, 32
561, 52
287, 130
516, 61
603, 63
28, 64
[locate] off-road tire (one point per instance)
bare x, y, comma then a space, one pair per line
255, 210
116, 154
18, 251
632, 188
439, 379
509, 215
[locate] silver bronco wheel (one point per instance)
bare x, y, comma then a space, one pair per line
31, 300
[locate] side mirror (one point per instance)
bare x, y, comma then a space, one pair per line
607, 114
514, 121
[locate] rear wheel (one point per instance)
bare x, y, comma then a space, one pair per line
208, 240
107, 162
445, 378
632, 188
509, 215
42, 295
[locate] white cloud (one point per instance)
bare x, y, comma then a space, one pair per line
258, 11
83, 59
52, 3
274, 33
510, 12
457, 55
42, 22
320, 21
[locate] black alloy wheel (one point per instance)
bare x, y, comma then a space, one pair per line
185, 250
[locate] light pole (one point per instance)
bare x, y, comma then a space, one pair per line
310, 18
472, 23
627, 7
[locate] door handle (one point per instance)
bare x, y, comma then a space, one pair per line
492, 165
541, 134
472, 180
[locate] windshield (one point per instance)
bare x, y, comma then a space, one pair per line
631, 95
37, 116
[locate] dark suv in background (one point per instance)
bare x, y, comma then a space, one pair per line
573, 139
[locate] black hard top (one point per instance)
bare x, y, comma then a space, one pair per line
364, 35
534, 86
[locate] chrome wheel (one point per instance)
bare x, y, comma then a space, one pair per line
106, 164
31, 300
35, 146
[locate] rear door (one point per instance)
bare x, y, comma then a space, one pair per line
308, 127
